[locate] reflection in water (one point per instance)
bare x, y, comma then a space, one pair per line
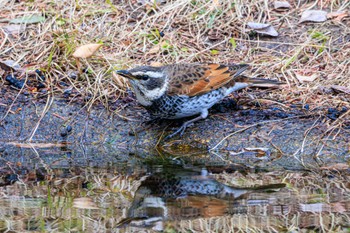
57, 195
175, 193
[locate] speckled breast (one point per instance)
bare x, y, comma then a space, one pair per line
167, 107
174, 107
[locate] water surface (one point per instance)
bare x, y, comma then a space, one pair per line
98, 190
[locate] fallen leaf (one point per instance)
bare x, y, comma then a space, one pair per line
337, 167
337, 16
263, 28
341, 89
28, 19
84, 203
281, 5
305, 78
261, 151
313, 16
14, 28
86, 51
9, 65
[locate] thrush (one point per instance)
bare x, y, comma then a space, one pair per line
184, 90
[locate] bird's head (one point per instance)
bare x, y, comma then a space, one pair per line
149, 82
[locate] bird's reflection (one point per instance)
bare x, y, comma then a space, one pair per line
175, 193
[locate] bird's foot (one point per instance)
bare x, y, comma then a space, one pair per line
179, 131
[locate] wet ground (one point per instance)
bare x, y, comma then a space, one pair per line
263, 168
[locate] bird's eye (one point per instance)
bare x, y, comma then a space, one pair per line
142, 77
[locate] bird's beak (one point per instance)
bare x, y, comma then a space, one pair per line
125, 73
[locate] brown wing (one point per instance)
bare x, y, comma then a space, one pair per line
197, 79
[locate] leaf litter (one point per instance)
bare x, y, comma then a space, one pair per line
281, 5
318, 16
263, 29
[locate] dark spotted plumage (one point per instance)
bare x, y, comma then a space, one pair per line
183, 90
166, 107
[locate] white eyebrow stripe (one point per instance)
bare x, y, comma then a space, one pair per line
154, 74
149, 73
138, 73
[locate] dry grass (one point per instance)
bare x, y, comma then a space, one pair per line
194, 31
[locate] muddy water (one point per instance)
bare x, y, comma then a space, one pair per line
94, 189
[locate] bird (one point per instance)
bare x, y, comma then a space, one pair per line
183, 90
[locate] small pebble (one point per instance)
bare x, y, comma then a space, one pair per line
14, 81
333, 113
64, 133
41, 85
11, 178
332, 110
344, 109
69, 128
64, 84
41, 75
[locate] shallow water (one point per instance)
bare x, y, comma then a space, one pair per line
98, 190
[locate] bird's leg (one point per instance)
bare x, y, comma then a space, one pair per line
183, 127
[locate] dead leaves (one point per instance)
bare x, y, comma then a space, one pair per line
85, 203
306, 78
313, 16
86, 51
342, 89
321, 16
27, 19
13, 29
9, 65
281, 5
337, 16
263, 29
